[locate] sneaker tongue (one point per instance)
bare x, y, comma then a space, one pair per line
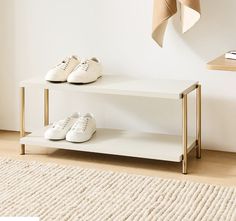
75, 115
83, 61
74, 57
94, 59
88, 115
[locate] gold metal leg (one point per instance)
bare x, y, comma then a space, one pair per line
22, 118
198, 121
185, 133
46, 107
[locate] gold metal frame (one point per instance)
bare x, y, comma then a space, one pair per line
22, 113
185, 133
185, 126
46, 107
22, 118
198, 121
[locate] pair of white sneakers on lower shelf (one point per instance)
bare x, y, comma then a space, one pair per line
76, 128
75, 71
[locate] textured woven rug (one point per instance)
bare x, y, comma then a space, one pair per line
55, 192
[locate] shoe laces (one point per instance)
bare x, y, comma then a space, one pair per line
81, 124
61, 124
64, 64
83, 65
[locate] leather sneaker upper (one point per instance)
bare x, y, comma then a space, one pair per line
60, 128
61, 71
87, 71
83, 129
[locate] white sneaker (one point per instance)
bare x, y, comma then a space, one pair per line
82, 130
86, 72
61, 71
60, 128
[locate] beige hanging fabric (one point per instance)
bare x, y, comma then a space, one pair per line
165, 9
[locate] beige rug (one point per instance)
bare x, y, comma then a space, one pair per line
55, 192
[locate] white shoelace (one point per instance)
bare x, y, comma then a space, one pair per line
81, 124
61, 124
64, 64
84, 65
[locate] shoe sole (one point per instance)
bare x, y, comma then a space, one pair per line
54, 139
83, 140
56, 82
81, 83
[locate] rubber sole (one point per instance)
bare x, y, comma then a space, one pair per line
56, 82
81, 83
82, 141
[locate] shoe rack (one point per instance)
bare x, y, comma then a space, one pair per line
119, 142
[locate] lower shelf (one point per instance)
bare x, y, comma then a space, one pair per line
119, 142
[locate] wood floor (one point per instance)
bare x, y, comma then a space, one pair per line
214, 167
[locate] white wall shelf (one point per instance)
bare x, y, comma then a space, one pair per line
118, 142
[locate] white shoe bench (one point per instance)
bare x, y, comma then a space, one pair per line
119, 142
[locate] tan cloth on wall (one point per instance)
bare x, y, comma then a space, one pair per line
165, 9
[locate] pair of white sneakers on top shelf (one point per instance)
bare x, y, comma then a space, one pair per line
75, 71
76, 128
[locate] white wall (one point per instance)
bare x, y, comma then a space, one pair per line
36, 34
